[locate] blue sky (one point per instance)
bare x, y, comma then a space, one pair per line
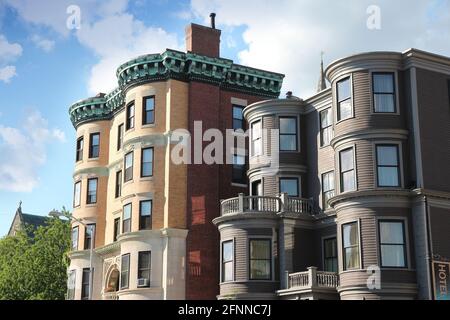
45, 67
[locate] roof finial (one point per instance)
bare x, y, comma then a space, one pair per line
322, 84
20, 204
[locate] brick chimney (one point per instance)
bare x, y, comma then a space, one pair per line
203, 40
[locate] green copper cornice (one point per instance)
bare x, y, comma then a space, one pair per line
181, 66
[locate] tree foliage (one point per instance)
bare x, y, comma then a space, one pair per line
33, 263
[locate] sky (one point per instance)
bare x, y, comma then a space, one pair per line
51, 57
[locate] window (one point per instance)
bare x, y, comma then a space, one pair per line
383, 87
92, 191
346, 160
238, 117
330, 255
116, 229
289, 186
256, 139
260, 259
80, 146
145, 215
227, 261
85, 284
148, 115
344, 99
125, 271
388, 168
288, 134
350, 242
129, 166
326, 127
392, 243
74, 241
118, 191
89, 236
120, 136
77, 194
238, 169
327, 188
147, 162
144, 268
130, 116
126, 220
71, 285
94, 145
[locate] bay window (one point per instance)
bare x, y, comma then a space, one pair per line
94, 145
392, 243
148, 112
144, 269
130, 116
256, 139
128, 166
80, 146
147, 162
347, 170
388, 167
350, 241
77, 194
290, 186
92, 191
145, 215
227, 261
126, 219
383, 87
125, 271
260, 257
288, 134
344, 99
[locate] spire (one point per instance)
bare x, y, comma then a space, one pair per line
322, 84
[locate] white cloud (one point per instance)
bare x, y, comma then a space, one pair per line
23, 152
287, 36
9, 51
112, 34
42, 43
7, 73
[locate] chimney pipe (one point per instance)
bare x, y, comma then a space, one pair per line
213, 20
289, 95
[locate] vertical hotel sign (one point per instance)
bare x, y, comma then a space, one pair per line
441, 278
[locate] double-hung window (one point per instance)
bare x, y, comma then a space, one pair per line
148, 110
128, 166
256, 138
392, 243
330, 255
125, 271
118, 191
238, 169
89, 236
260, 259
327, 188
388, 167
326, 127
77, 194
344, 99
288, 134
227, 261
94, 145
85, 284
80, 146
130, 116
116, 229
126, 219
347, 167
145, 215
74, 242
238, 117
383, 92
350, 241
144, 269
120, 137
147, 162
71, 285
92, 191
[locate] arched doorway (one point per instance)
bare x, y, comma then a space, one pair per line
112, 283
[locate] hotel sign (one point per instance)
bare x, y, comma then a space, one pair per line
441, 278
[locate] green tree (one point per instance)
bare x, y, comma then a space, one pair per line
33, 263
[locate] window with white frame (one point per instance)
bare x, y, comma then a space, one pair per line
326, 127
128, 167
383, 86
126, 219
350, 242
77, 194
392, 243
227, 261
256, 138
125, 271
344, 99
388, 166
327, 188
347, 170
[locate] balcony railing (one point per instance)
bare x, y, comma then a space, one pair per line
281, 204
312, 279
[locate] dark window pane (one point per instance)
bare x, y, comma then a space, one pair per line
144, 267
94, 145
85, 284
120, 137
149, 110
75, 239
130, 116
89, 236
80, 146
147, 162
124, 271
145, 215
118, 192
116, 228
92, 191
260, 259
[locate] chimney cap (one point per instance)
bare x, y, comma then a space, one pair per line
212, 15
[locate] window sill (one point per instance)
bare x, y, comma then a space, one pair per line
146, 178
239, 185
342, 120
150, 125
91, 205
93, 159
